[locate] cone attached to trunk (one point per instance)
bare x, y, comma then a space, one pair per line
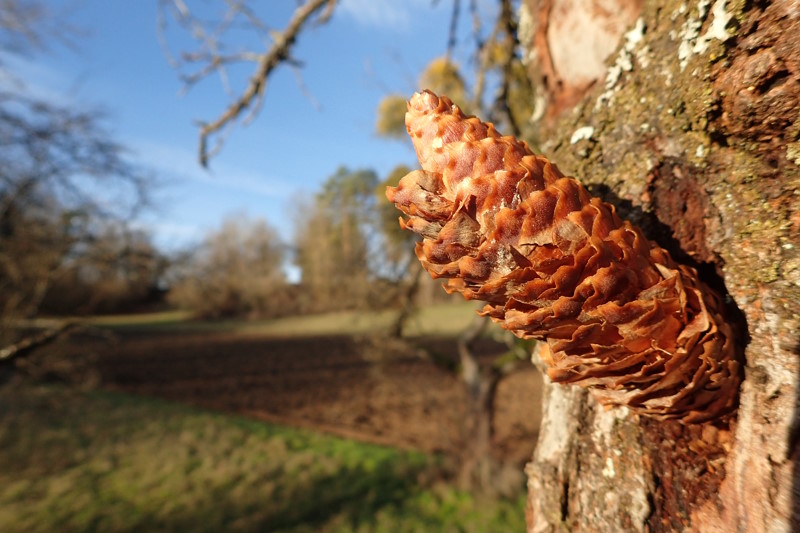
503, 225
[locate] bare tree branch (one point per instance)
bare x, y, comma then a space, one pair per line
507, 23
480, 51
497, 58
215, 59
31, 342
64, 179
26, 25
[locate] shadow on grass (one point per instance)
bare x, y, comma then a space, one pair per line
76, 461
357, 494
349, 500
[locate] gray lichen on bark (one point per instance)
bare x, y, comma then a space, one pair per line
569, 412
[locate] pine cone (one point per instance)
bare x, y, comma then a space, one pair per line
553, 263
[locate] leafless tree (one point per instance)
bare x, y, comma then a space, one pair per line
333, 241
55, 161
64, 178
237, 271
32, 25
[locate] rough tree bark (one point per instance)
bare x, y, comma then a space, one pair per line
693, 134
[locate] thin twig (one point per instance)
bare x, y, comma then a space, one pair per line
254, 93
508, 25
452, 35
480, 52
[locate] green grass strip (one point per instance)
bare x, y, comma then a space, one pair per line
97, 461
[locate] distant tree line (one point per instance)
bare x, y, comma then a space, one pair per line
68, 194
347, 246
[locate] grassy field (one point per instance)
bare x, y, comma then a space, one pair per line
440, 319
98, 461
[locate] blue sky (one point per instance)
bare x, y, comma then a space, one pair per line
368, 48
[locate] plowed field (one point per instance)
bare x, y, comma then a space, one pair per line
378, 391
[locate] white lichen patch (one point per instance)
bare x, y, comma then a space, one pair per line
643, 56
690, 31
584, 133
526, 30
608, 470
539, 106
604, 421
700, 152
692, 42
624, 61
717, 30
793, 152
639, 506
677, 13
555, 434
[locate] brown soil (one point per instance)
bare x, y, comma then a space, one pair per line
378, 391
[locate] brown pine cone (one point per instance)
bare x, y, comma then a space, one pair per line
553, 263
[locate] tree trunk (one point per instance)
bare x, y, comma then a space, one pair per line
693, 135
478, 466
408, 300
